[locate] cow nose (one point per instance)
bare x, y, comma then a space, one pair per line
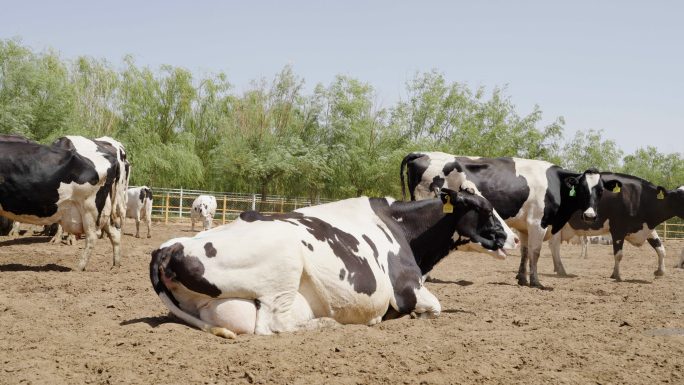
516, 240
589, 217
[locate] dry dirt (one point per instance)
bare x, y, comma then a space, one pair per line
104, 326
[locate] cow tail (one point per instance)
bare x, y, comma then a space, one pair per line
408, 158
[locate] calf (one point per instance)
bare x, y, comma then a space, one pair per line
343, 262
44, 185
631, 215
204, 209
537, 198
139, 206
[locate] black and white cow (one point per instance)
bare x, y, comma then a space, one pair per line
8, 226
535, 197
631, 215
344, 262
99, 146
139, 206
203, 209
44, 185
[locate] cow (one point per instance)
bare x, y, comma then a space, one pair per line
631, 215
139, 206
44, 185
346, 262
204, 209
534, 197
8, 226
98, 146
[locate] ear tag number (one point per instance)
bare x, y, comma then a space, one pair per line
448, 207
616, 189
572, 191
661, 195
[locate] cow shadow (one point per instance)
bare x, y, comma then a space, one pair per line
20, 267
554, 275
460, 283
25, 240
639, 281
155, 321
452, 311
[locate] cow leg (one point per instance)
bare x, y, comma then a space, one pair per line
584, 241
137, 225
15, 229
278, 314
522, 270
58, 236
149, 225
680, 265
536, 238
192, 221
654, 241
89, 227
71, 239
115, 238
427, 305
554, 245
617, 252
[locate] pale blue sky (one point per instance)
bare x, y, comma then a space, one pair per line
615, 66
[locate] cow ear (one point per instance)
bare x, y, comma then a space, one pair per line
662, 192
571, 181
613, 185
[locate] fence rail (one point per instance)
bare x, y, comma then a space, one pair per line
174, 204
670, 231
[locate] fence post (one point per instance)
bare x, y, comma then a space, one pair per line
664, 231
253, 202
224, 210
282, 204
166, 210
180, 205
295, 203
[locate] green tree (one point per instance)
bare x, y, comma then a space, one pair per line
587, 149
661, 169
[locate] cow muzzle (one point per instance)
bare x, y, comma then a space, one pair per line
589, 215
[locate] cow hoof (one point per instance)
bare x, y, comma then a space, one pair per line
221, 332
536, 284
522, 282
137, 236
149, 236
616, 278
679, 267
659, 273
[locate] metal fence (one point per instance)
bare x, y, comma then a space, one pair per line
174, 204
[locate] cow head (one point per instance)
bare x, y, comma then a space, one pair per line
588, 188
477, 223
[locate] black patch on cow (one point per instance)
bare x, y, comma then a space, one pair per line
416, 163
209, 250
343, 273
253, 216
655, 242
142, 195
32, 173
308, 245
372, 246
15, 138
387, 235
186, 269
405, 281
257, 304
437, 184
148, 192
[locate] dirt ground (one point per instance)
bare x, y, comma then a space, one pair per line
104, 326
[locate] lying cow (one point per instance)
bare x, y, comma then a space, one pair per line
204, 209
537, 198
343, 262
139, 206
44, 185
631, 215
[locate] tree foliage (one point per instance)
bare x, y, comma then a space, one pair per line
193, 130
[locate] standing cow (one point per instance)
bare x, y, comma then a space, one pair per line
204, 209
139, 206
43, 185
631, 215
99, 147
535, 197
343, 262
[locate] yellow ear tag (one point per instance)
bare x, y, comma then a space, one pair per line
448, 207
616, 189
661, 195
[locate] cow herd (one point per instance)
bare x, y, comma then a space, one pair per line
361, 260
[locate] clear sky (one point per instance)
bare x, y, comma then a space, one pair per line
616, 66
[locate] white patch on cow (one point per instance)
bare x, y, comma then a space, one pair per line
534, 172
398, 219
590, 212
436, 163
592, 180
638, 238
681, 188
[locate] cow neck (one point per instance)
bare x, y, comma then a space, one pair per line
428, 231
567, 206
